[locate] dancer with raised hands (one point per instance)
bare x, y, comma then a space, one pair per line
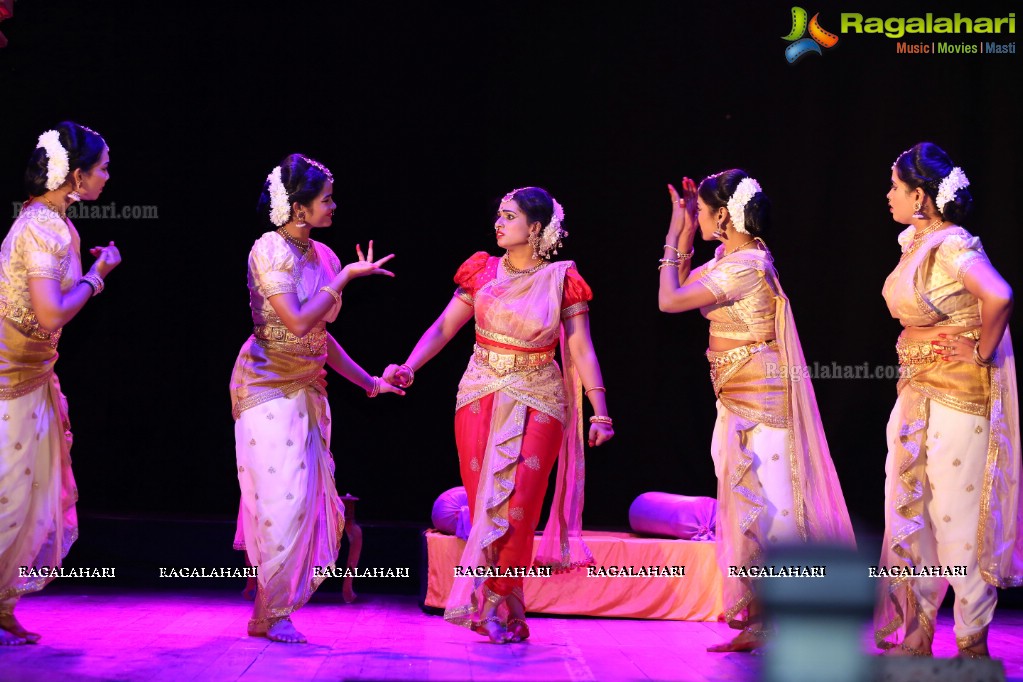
776, 481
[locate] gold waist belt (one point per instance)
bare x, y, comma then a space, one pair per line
26, 322
502, 363
278, 337
719, 359
921, 352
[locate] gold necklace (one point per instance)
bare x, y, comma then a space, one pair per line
744, 244
53, 207
302, 246
921, 236
512, 270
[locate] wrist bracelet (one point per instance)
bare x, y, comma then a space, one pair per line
94, 281
679, 254
598, 419
375, 391
411, 374
334, 293
980, 360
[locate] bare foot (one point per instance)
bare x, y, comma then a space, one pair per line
249, 593
10, 639
284, 631
347, 593
10, 624
257, 628
749, 639
494, 631
518, 630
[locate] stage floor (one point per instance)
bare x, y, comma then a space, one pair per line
92, 634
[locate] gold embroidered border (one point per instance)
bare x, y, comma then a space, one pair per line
26, 387
508, 340
279, 288
575, 309
25, 321
968, 261
43, 272
279, 337
719, 294
966, 641
271, 394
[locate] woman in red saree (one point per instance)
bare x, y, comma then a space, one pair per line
516, 412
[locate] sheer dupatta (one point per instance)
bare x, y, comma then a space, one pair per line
526, 310
822, 515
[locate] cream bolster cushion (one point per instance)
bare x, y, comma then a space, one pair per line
451, 513
674, 516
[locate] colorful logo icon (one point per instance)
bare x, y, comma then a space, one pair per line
801, 46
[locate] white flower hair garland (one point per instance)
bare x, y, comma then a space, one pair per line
550, 238
950, 184
280, 209
57, 164
737, 202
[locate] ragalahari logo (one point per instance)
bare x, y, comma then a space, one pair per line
801, 46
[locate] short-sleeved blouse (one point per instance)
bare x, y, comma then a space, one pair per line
744, 307
276, 268
40, 244
927, 287
481, 268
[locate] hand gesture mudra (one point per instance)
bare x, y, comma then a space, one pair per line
366, 265
107, 258
683, 208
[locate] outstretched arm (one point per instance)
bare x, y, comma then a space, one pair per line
444, 328
342, 363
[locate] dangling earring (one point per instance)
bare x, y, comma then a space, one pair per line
300, 220
917, 213
534, 241
74, 194
720, 232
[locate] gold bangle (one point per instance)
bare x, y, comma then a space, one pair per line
334, 293
95, 282
411, 375
979, 359
598, 419
595, 388
375, 391
679, 254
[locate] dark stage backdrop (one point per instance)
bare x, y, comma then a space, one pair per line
428, 112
